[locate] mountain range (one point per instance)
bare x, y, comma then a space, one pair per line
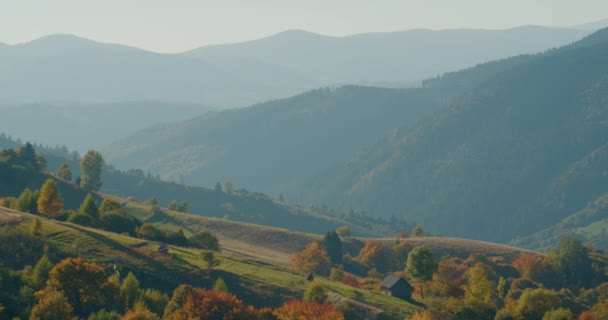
65, 68
494, 152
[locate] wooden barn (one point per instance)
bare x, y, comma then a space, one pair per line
397, 287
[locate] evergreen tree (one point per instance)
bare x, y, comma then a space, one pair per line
50, 201
220, 285
333, 245
89, 207
27, 155
91, 166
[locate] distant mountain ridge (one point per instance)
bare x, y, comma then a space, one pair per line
66, 68
519, 153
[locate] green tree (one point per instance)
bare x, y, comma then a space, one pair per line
152, 201
572, 260
183, 207
129, 290
417, 231
205, 240
36, 227
218, 187
90, 166
220, 285
50, 201
27, 155
559, 314
315, 293
337, 274
27, 201
420, 265
333, 245
172, 205
41, 271
89, 207
210, 260
64, 172
534, 303
111, 206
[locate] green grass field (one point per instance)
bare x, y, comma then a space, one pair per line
256, 282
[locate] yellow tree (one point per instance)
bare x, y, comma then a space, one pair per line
313, 258
50, 201
52, 304
479, 286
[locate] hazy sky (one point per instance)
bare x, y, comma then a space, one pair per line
177, 25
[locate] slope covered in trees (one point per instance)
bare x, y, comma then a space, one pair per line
519, 153
238, 205
275, 145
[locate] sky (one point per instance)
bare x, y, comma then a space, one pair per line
180, 25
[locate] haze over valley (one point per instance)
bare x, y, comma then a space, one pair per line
456, 169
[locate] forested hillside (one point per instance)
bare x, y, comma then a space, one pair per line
274, 146
519, 153
222, 201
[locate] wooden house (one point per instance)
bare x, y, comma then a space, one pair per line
397, 287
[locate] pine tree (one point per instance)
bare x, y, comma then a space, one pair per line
50, 201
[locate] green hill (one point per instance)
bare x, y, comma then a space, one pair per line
519, 153
239, 205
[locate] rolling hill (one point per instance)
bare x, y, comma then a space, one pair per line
519, 153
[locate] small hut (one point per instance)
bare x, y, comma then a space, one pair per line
163, 248
396, 286
310, 277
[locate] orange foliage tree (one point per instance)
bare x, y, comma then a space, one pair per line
375, 255
300, 310
210, 305
81, 282
313, 258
